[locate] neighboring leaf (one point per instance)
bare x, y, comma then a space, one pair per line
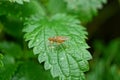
97, 72
14, 14
11, 48
114, 73
100, 71
9, 68
112, 49
85, 9
19, 1
1, 63
67, 60
106, 62
20, 11
19, 70
13, 28
61, 7
31, 71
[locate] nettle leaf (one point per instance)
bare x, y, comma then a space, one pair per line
86, 9
66, 60
19, 1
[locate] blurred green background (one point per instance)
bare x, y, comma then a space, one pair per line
104, 39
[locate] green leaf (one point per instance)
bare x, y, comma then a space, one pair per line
20, 11
67, 60
11, 49
61, 7
9, 68
19, 1
30, 70
114, 72
13, 28
112, 49
98, 71
1, 63
85, 9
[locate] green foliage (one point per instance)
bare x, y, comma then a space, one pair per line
108, 64
112, 49
11, 51
1, 63
20, 11
102, 72
60, 8
84, 9
67, 60
9, 68
18, 70
17, 67
12, 28
10, 48
31, 71
44, 19
19, 1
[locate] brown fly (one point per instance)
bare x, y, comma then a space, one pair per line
58, 39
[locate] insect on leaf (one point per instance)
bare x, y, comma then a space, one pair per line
67, 60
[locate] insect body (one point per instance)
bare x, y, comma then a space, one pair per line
58, 39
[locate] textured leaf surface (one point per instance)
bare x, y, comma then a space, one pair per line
86, 9
19, 1
67, 60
